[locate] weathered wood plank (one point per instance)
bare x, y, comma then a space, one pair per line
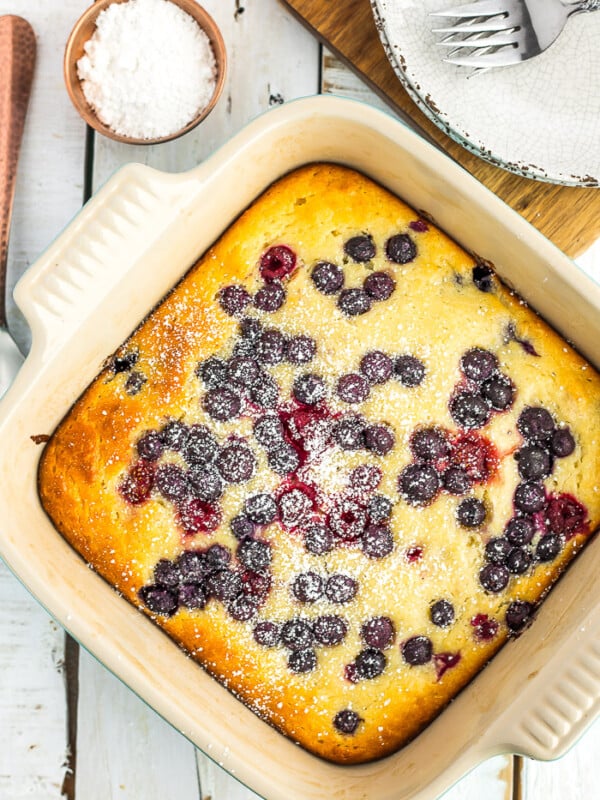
33, 727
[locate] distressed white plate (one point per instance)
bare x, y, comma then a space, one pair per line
540, 118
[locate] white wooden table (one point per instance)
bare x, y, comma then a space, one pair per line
67, 726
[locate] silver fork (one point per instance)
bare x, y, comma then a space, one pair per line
496, 33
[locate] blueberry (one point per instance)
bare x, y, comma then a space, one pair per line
348, 520
171, 481
330, 630
233, 300
267, 633
297, 634
377, 541
125, 362
520, 530
441, 613
206, 483
283, 460
535, 424
256, 584
365, 478
137, 484
243, 370
378, 632
497, 550
482, 278
212, 372
167, 574
419, 484
471, 513
478, 364
457, 481
301, 350
562, 442
354, 302
134, 383
294, 505
401, 249
241, 527
224, 585
242, 608
270, 297
469, 410
222, 404
271, 347
217, 557
301, 661
518, 615
192, 596
318, 539
429, 444
277, 262
308, 587
196, 515
349, 433
236, 463
260, 508
499, 391
327, 277
159, 600
254, 554
250, 329
200, 446
265, 392
174, 435
360, 248
518, 560
534, 462
340, 588
494, 577
376, 366
409, 370
309, 389
347, 722
379, 285
193, 566
370, 663
549, 547
268, 431
417, 650
379, 509
353, 388
379, 439
150, 446
530, 497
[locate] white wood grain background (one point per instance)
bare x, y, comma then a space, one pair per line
120, 748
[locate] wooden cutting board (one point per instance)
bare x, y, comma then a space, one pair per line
569, 216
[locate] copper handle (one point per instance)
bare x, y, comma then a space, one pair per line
17, 62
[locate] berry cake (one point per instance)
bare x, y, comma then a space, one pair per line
340, 464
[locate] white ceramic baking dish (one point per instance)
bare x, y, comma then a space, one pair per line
121, 254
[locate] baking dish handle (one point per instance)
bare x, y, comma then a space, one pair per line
90, 256
557, 703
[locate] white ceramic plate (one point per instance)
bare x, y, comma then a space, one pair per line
540, 118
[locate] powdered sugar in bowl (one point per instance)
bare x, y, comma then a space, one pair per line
144, 71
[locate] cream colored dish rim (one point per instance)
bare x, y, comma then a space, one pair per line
82, 298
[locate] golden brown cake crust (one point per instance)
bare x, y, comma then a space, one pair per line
436, 313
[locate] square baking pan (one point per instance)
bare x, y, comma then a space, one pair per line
122, 253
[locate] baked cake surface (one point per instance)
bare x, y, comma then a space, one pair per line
340, 464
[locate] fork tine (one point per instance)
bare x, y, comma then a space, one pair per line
493, 40
477, 27
500, 58
481, 8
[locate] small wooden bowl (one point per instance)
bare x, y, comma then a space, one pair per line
83, 31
